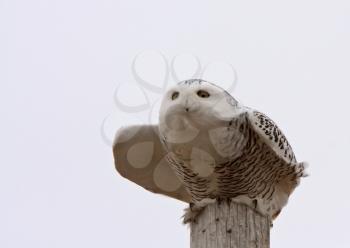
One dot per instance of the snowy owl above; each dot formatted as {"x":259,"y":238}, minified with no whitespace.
{"x":210,"y":147}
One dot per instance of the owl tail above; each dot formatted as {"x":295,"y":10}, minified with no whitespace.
{"x":302,"y":168}
{"x":292,"y":181}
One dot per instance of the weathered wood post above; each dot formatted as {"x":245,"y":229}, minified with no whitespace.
{"x":230,"y":225}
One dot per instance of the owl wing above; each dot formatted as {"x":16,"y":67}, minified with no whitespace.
{"x":140,"y":157}
{"x":270,"y":133}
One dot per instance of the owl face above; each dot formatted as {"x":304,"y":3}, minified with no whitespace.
{"x":197,"y":103}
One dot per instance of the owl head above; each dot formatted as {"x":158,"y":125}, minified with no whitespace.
{"x":197,"y":103}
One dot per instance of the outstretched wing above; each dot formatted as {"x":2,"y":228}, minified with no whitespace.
{"x":271,"y":135}
{"x":140,"y":157}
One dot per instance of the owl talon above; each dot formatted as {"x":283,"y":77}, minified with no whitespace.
{"x":255,"y":204}
{"x":192,"y":206}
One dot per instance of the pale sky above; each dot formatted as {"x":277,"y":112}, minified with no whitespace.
{"x":61,"y":61}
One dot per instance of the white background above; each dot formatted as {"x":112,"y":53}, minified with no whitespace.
{"x":60,"y":62}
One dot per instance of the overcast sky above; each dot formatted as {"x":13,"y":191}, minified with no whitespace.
{"x":61,"y":61}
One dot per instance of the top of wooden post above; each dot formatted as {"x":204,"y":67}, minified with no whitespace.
{"x":230,"y":225}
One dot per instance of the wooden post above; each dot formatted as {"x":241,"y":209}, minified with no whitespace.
{"x":230,"y":225}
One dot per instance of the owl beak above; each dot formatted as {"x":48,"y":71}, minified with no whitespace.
{"x":186,"y":107}
{"x":189,"y":106}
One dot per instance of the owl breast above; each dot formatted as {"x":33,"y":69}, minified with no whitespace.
{"x":231,"y":162}
{"x":198,"y":160}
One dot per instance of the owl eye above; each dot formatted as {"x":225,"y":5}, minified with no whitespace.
{"x":203,"y":94}
{"x":175,"y":95}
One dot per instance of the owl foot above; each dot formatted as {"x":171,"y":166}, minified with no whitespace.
{"x":195,"y":209}
{"x":191,"y":214}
